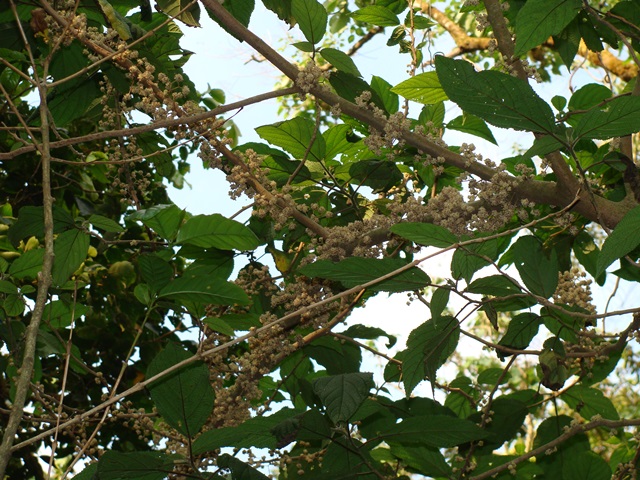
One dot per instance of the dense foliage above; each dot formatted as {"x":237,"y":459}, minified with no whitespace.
{"x":140,"y":341}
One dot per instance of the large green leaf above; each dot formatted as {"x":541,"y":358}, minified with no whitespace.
{"x":589,"y":402}
{"x":521,"y":330}
{"x":295,"y":137}
{"x":31,"y":223}
{"x":587,"y":465}
{"x":423,"y":88}
{"x":59,"y":314}
{"x":164,"y":219}
{"x":425,"y":460}
{"x":539,"y":19}
{"x":70,"y":250}
{"x":385,"y":91}
{"x":155,"y":271}
{"x":255,"y":432}
{"x":311,"y":17}
{"x":239,"y":469}
{"x":114,"y":465}
{"x":498,"y":98}
{"x":203,"y":289}
{"x":343,"y":394}
{"x":426,"y":234}
{"x":376,"y":15}
{"x":172,"y":8}
{"x":473,"y":125}
{"x":619,"y":117}
{"x":624,"y":238}
{"x":185,"y":397}
{"x":340,"y":61}
{"x":440,"y":431}
{"x":538,"y":270}
{"x":28,"y":264}
{"x":428,"y":347}
{"x":216,"y":231}
{"x":356,"y":271}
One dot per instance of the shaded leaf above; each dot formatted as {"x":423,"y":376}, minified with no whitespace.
{"x":216,"y":231}
{"x":428,"y":347}
{"x":589,"y":402}
{"x":354,"y":271}
{"x":521,"y":330}
{"x":184,"y":397}
{"x":203,"y":289}
{"x":426,"y":234}
{"x":28,"y":264}
{"x":343,"y":394}
{"x":164,"y":219}
{"x":114,"y":465}
{"x":539,"y":19}
{"x":538,"y":271}
{"x":621,"y":241}
{"x":619,"y":117}
{"x":498,"y":98}
{"x":440,"y":431}
{"x":70,"y":249}
{"x":254,"y":432}
{"x":104,"y":223}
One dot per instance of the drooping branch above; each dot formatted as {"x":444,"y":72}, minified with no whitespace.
{"x":549,"y":193}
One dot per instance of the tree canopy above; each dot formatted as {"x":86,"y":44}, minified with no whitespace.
{"x":141,"y":341}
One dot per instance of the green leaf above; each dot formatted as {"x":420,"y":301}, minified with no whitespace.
{"x":619,"y":117}
{"x":311,"y":17}
{"x":239,"y":469}
{"x":423,"y":88}
{"x":13,"y":305}
{"x":428,"y":347}
{"x":380,"y":175}
{"x":588,"y":96}
{"x":7,"y":287}
{"x":340,"y":61}
{"x":473,"y":125}
{"x":241,"y":10}
{"x":498,"y":98}
{"x":336,"y":142}
{"x":295,"y":137}
{"x":586,"y":465}
{"x":520,"y":332}
{"x":70,"y":250}
{"x":254,"y":432}
{"x":494,"y":285}
{"x":184,"y":398}
{"x":155,"y":271}
{"x":440,"y":431}
{"x":343,"y":394}
{"x":376,"y":15}
{"x":172,"y":8}
{"x":425,"y":460}
{"x":622,"y":240}
{"x":27,"y":265}
{"x":538,"y":271}
{"x":439,"y":301}
{"x":216,"y":231}
{"x":31,"y":223}
{"x":369,"y":333}
{"x":59,"y":314}
{"x":426,"y":234}
{"x":203,"y":289}
{"x":589,"y":402}
{"x":566,"y":452}
{"x":164,"y":219}
{"x":354,"y":271}
{"x":384,"y":90}
{"x":104,"y":223}
{"x":469,"y":259}
{"x":539,"y":19}
{"x":114,"y":465}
